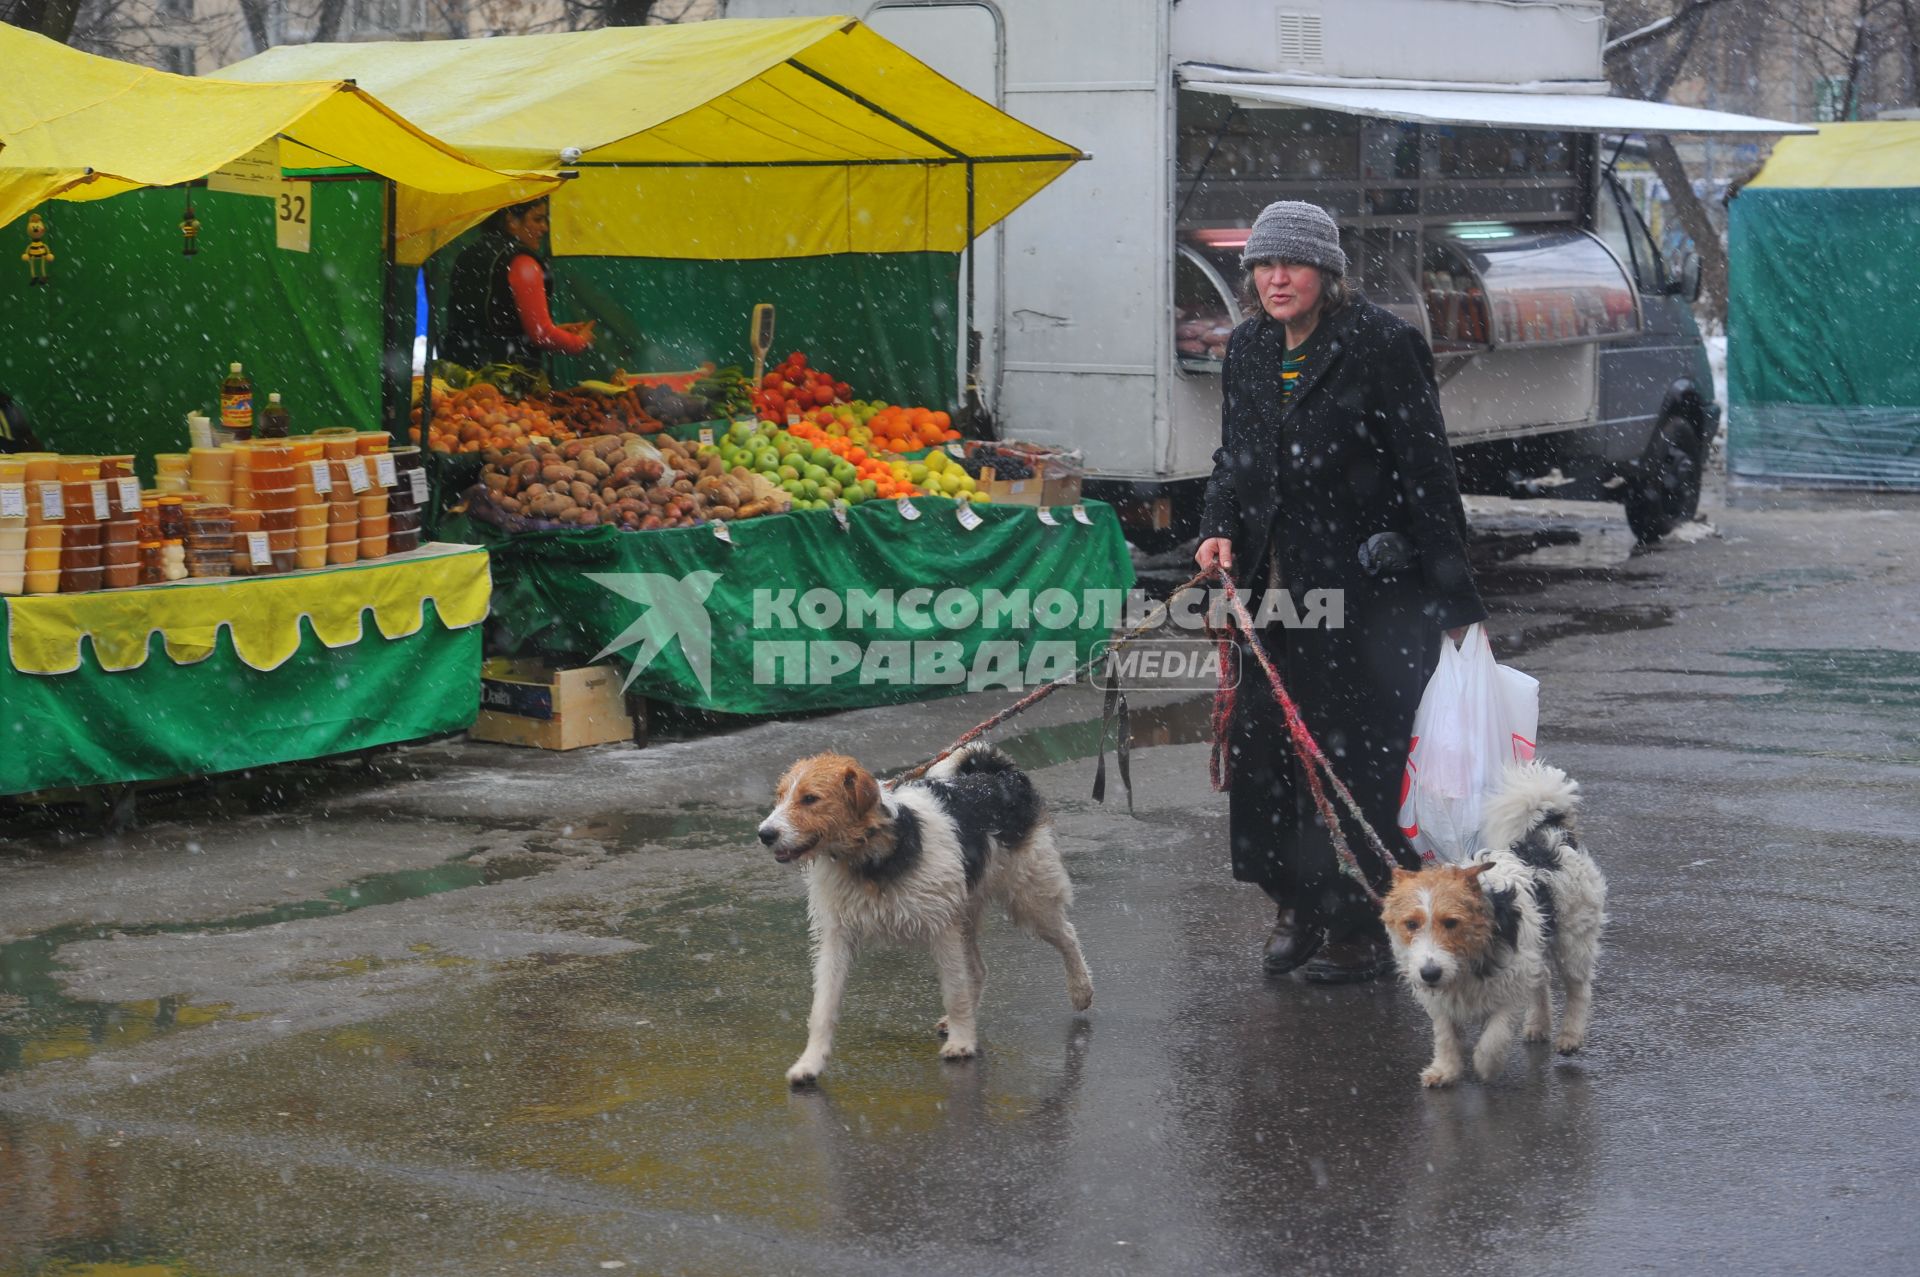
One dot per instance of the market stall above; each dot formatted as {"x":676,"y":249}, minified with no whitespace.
{"x":323,"y":530}
{"x":1828,"y":394}
{"x":807,"y":157}
{"x":189,"y":223}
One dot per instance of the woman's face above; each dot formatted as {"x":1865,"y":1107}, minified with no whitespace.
{"x":530,"y":227}
{"x":1287,"y":290}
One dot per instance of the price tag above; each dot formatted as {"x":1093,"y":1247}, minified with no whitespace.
{"x":383,"y":467}
{"x":706,"y":436}
{"x":418,"y":480}
{"x":357,"y":475}
{"x":840,"y":514}
{"x":102,"y":507}
{"x":130,"y":496}
{"x":13,"y":501}
{"x":908,"y":510}
{"x":720,"y":531}
{"x":1046,"y":517}
{"x":956,"y":450}
{"x":53,"y":507}
{"x":966,"y":516}
{"x":1080,"y":516}
{"x":541,"y":439}
{"x":259,"y":553}
{"x":793,"y":418}
{"x":322,"y":476}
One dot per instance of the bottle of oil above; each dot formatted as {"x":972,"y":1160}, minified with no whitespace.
{"x":236,"y":405}
{"x":275,"y":422}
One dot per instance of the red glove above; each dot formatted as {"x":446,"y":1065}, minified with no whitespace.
{"x":529,"y":285}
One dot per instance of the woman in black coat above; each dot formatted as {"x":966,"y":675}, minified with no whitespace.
{"x":1334,"y":474}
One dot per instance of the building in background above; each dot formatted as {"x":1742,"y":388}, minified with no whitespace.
{"x":193,"y":37}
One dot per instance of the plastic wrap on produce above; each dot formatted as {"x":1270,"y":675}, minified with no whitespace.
{"x":1820,"y":443}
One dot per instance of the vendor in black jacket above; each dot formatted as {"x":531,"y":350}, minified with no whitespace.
{"x":1331,"y":437}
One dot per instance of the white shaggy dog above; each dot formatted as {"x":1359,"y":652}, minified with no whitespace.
{"x":1474,"y":941}
{"x":920,"y":864}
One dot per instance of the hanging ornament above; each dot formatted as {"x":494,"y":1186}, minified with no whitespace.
{"x":38,"y":254}
{"x":189,"y":231}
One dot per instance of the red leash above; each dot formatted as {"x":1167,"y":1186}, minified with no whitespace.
{"x":1219,"y":763}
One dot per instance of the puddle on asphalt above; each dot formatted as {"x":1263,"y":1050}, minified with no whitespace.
{"x":40,"y":1023}
{"x":1876,"y":677}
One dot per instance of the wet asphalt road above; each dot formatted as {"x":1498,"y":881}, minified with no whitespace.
{"x":476,"y":1010}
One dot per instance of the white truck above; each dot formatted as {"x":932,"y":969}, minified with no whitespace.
{"x":1461,"y":144}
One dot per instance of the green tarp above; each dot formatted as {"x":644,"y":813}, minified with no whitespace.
{"x":885,"y":324}
{"x":131,"y":335}
{"x":776,"y":610}
{"x":165,"y":720}
{"x":1822,"y":378}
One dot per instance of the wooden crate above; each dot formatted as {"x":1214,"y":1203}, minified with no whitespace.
{"x":532,"y":704}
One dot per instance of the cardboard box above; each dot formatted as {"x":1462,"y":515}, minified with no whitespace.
{"x":532,"y":704}
{"x":1064,"y":490}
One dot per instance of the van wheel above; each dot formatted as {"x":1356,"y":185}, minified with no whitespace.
{"x":1664,"y":491}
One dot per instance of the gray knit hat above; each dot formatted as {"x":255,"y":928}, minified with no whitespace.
{"x":1298,"y":232}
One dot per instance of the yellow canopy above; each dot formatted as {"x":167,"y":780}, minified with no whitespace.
{"x":738,"y":138}
{"x":1867,"y":154}
{"x":79,"y":127}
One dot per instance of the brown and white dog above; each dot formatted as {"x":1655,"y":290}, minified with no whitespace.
{"x":1474,"y":942}
{"x":920,"y":864}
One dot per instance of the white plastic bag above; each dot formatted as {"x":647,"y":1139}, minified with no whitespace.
{"x":1475,"y":717}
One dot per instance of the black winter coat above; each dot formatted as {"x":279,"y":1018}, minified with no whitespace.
{"x":1360,"y":449}
{"x":1365,"y":452}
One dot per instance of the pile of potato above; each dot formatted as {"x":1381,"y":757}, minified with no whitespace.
{"x":638,"y":484}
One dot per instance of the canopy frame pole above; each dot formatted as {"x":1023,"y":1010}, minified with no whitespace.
{"x":876,"y":109}
{"x":396,"y":359}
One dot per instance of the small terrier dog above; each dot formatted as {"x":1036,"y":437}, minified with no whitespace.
{"x":920,"y":864}
{"x":1474,"y":941}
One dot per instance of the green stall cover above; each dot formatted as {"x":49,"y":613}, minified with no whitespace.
{"x":1822,"y":379}
{"x":131,"y":334}
{"x":164,"y":720}
{"x":766,"y":624}
{"x":886,"y":324}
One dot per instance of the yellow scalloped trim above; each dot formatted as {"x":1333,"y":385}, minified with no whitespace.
{"x":261,"y":614}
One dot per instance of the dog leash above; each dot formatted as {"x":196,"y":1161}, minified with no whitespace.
{"x":1072,"y":676}
{"x":1219,"y":762}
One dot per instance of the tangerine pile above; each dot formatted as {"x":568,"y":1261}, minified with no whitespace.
{"x":480,"y":417}
{"x":897,"y":429}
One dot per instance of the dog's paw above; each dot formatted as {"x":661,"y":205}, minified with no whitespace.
{"x":940,"y":1027}
{"x":1081,"y":995}
{"x":1568,"y":1043}
{"x":1489,"y":1067}
{"x":1439,"y":1075}
{"x":958,"y":1050}
{"x":805,"y":1072}
{"x":1538,"y":1033}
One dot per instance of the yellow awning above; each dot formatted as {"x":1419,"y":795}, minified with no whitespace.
{"x":737,"y":138}
{"x":1867,"y":154}
{"x":74,"y":126}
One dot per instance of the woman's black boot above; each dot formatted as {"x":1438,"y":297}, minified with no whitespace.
{"x":1355,"y":958}
{"x":1291,"y":942}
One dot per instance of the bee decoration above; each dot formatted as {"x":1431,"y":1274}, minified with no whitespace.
{"x":189,"y":231}
{"x":38,"y":255}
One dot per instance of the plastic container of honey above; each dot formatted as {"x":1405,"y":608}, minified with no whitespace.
{"x":310,"y":556}
{"x":339,"y":442}
{"x":347,"y":551}
{"x":368,"y":442}
{"x":40,"y":465}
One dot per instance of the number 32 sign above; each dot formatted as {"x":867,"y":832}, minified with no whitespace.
{"x":292,"y":217}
